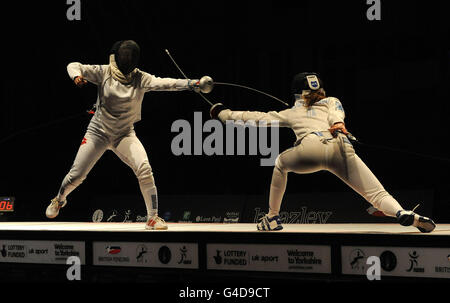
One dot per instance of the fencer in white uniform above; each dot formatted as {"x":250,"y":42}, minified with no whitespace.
{"x":121,"y":89}
{"x":322,"y":144}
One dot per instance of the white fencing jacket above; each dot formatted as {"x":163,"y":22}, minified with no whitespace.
{"x":303,"y":120}
{"x":119,"y":105}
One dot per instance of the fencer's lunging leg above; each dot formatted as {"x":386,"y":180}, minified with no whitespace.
{"x":359,"y":177}
{"x":353,"y":171}
{"x":91,"y":149}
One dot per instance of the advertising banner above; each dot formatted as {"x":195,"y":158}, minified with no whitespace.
{"x":45,"y":252}
{"x":265,"y":257}
{"x":398,"y":261}
{"x":305,"y":208}
{"x":140,"y":254}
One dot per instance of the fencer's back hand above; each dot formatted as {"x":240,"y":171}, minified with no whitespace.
{"x":215,"y":110}
{"x":338,"y":127}
{"x":80,"y":81}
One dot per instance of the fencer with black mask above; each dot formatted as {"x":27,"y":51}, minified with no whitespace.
{"x":121,"y":88}
{"x":321,"y":144}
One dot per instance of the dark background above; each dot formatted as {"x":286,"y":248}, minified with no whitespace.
{"x":392,"y":77}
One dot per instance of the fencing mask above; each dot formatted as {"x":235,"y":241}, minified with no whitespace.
{"x":306,"y":81}
{"x":126,"y":53}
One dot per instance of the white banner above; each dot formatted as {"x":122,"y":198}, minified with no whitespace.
{"x":48,"y":252}
{"x":268,"y":257}
{"x":398,"y":261}
{"x":139,"y":254}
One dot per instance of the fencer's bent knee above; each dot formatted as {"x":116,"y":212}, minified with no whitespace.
{"x":144,"y":173}
{"x":278,"y":164}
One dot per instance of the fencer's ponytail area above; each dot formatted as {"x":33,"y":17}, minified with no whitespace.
{"x":313,"y":96}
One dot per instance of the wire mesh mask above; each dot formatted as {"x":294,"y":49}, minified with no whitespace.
{"x":126,"y":54}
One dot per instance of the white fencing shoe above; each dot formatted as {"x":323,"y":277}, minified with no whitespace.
{"x":156,"y":223}
{"x":54,"y":207}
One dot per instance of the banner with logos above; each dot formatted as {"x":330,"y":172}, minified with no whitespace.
{"x":268,"y":257}
{"x":45,"y":252}
{"x":172,"y":208}
{"x":307,"y":208}
{"x":398,"y":261}
{"x":140,"y":254}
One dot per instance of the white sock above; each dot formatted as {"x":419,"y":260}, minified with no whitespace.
{"x":389,"y":206}
{"x":150,"y":195}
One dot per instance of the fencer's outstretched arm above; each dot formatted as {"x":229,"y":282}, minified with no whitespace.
{"x":152,"y":83}
{"x":268,"y":118}
{"x":292,"y":117}
{"x":92,"y":73}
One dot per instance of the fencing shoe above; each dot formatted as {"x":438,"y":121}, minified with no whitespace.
{"x":267,"y":223}
{"x":156,"y":223}
{"x":408,"y":217}
{"x":54,"y":207}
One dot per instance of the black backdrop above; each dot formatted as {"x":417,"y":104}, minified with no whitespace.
{"x":392,"y":77}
